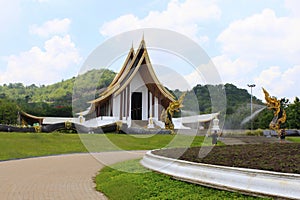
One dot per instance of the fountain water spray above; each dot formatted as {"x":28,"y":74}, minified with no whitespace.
{"x":247,"y":119}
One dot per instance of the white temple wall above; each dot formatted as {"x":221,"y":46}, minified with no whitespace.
{"x":150,"y":102}
{"x":156,"y":108}
{"x":136,"y":85}
{"x":145,"y":103}
{"x":116,"y":106}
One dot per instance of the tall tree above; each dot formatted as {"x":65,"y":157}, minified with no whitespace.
{"x":8,"y":111}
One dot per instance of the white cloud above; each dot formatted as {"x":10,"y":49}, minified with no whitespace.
{"x":293,"y":6}
{"x":268,"y":41}
{"x":182,"y":17}
{"x":58,"y":57}
{"x":279,"y":82}
{"x":230,"y":71}
{"x":194,"y":78}
{"x":263,"y":36}
{"x":51,"y":27}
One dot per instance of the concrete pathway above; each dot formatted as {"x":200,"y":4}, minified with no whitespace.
{"x":62,"y":177}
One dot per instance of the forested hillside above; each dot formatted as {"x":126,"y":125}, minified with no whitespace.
{"x":237,"y":105}
{"x":71,"y":96}
{"x":55,"y":99}
{"x":60,"y":92}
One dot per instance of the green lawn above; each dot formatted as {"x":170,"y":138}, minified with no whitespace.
{"x":294,"y":139}
{"x":97,"y":143}
{"x":140,"y":183}
{"x":23,"y":145}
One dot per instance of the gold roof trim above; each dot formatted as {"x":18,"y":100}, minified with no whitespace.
{"x":31,"y":116}
{"x":152,"y":73}
{"x":131,"y":76}
{"x":114,"y":87}
{"x":162,"y":89}
{"x":123,"y":73}
{"x":126,"y":63}
{"x":131,"y":52}
{"x":107,"y":94}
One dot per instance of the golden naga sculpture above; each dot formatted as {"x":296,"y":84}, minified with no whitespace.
{"x":168,"y":114}
{"x":279,"y":114}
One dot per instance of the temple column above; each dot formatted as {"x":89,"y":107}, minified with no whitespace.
{"x":152,"y":105}
{"x":156,"y":107}
{"x":124,"y":103}
{"x":121,"y":106}
{"x":148,"y":104}
{"x":128,"y":100}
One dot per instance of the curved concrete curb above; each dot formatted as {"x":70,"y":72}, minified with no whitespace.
{"x":248,"y":181}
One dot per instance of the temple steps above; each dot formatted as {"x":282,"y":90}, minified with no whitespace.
{"x":139,"y":123}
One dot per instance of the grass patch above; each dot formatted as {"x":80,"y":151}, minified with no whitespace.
{"x":107,"y":142}
{"x":140,"y":183}
{"x":23,"y":145}
{"x":293,"y":139}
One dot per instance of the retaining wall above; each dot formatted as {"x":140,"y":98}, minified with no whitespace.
{"x":248,"y":181}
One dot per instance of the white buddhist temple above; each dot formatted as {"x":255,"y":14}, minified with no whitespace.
{"x":135,"y":93}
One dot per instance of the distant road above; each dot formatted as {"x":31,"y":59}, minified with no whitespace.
{"x":67,"y":177}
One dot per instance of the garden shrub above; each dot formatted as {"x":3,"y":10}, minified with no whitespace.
{"x":257,"y":132}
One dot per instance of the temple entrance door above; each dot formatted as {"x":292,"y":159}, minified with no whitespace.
{"x":136,"y":106}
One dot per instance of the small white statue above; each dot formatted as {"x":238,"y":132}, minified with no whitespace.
{"x":215,"y":126}
{"x":81,"y":118}
{"x":150,"y":122}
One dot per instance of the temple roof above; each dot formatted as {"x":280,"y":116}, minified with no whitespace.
{"x":135,"y":62}
{"x":30,"y":116}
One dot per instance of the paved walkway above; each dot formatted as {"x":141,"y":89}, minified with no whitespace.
{"x":62,"y":177}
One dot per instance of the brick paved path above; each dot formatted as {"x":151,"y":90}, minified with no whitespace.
{"x":68,"y":177}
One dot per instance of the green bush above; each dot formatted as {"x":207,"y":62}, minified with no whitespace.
{"x":257,"y":132}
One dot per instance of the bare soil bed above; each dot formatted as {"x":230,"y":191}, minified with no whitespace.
{"x":273,"y":157}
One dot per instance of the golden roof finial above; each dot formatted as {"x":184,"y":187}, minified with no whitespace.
{"x":143,"y":44}
{"x":132,"y":44}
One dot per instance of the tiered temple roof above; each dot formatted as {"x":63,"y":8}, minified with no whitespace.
{"x":137,"y":62}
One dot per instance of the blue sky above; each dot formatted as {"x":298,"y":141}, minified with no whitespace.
{"x":249,"y":41}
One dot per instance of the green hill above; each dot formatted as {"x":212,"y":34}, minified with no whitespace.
{"x":56,"y":99}
{"x":58,"y":93}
